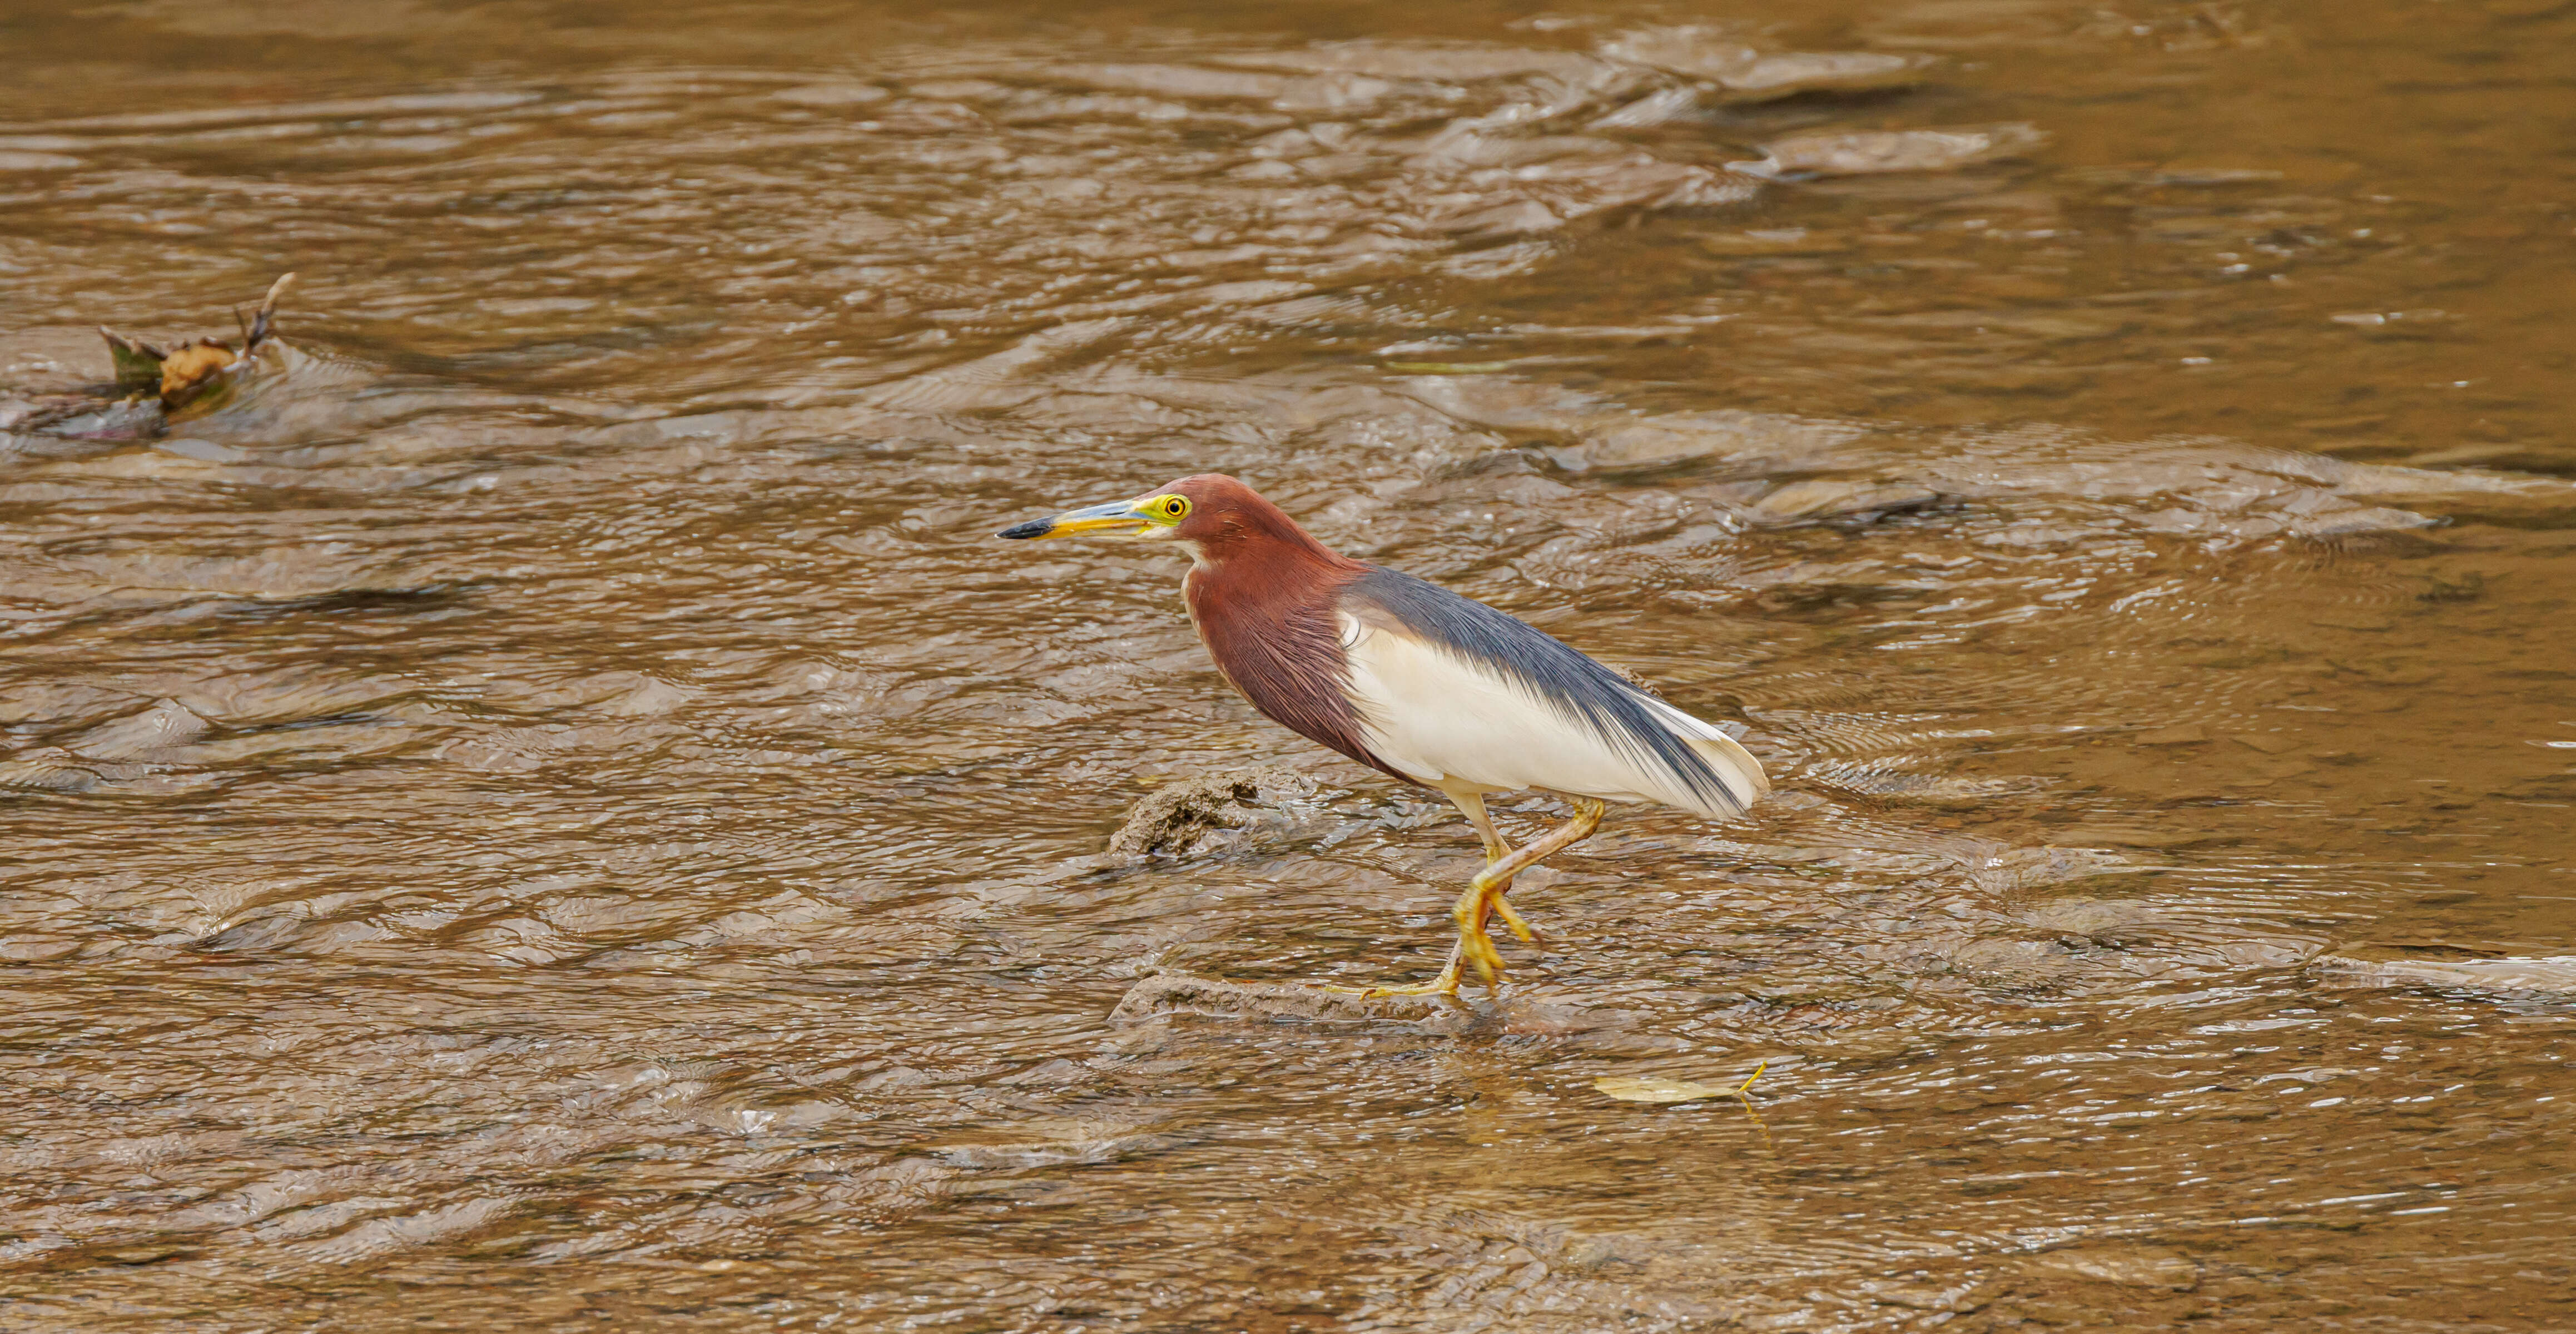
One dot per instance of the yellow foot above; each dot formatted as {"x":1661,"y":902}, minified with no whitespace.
{"x":1475,"y":944}
{"x":1478,"y":948}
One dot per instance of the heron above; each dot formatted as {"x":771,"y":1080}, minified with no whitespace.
{"x":1426,"y":686}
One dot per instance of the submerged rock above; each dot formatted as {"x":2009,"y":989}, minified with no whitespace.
{"x":1198,"y":816}
{"x":1872,"y":152}
{"x":1749,"y":74}
{"x":141,"y":736}
{"x":1167,"y":995}
{"x":50,"y":769}
{"x":2129,"y":1266}
{"x":84,"y":417}
{"x":1055,"y":1142}
{"x":2552,"y":976}
{"x":1832,"y":498}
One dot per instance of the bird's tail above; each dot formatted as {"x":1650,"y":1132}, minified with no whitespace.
{"x":1742,"y":773}
{"x":1734,"y":766}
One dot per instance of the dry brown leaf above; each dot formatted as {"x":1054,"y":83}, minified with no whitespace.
{"x":182,"y":371}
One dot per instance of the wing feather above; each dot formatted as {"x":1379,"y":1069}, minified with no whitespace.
{"x":1452,"y":692}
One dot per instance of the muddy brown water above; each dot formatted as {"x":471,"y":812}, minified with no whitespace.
{"x":549,"y":812}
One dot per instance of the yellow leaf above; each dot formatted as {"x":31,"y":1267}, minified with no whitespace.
{"x":1630,"y":1089}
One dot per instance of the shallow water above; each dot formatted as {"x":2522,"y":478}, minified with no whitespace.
{"x":549,"y":812}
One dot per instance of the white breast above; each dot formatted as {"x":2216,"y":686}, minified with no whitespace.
{"x":1456,"y":724}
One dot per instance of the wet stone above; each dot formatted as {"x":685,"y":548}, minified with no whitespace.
{"x":1874,"y":152}
{"x":142,"y":735}
{"x":1165,"y":996}
{"x":2016,"y":963}
{"x":2095,"y":922}
{"x":2014,"y":870}
{"x":51,"y":769}
{"x":1053,"y":1142}
{"x":1196,"y":817}
{"x":1752,"y":75}
{"x":2128,"y":1266}
{"x":1822,"y":498}
{"x":1818,"y":71}
{"x":2544,"y":976}
{"x":1958,"y":1298}
{"x":82,"y":417}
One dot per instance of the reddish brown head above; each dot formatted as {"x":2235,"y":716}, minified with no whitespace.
{"x":1219,"y":518}
{"x":1228,"y":521}
{"x":1263,"y":592}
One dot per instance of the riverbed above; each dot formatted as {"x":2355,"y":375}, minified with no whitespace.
{"x":549,"y":810}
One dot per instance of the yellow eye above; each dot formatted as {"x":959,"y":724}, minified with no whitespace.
{"x":1172,"y":509}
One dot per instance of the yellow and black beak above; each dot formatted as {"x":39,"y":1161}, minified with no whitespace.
{"x":1118,"y":518}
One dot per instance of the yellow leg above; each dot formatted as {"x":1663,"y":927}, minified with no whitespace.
{"x":1485,"y":893}
{"x":1495,"y":850}
{"x":1471,"y":805}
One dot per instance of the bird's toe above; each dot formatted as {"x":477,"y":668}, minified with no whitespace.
{"x":1513,"y":920}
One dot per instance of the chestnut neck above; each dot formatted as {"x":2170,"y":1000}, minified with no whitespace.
{"x":1255,"y":541}
{"x":1264,"y":595}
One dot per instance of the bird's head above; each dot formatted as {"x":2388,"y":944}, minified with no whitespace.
{"x":1197,"y":510}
